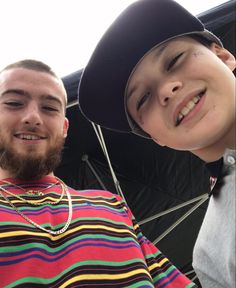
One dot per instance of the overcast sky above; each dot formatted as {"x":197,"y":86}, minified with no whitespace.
{"x":62,"y":33}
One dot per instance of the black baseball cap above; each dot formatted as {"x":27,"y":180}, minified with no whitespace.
{"x":140,"y":27}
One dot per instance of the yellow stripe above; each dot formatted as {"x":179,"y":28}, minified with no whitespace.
{"x":15,"y":201}
{"x":104,"y":277}
{"x":136,"y":226}
{"x":56,"y":237}
{"x":159,"y":264}
{"x":18,"y":201}
{"x":90,"y":200}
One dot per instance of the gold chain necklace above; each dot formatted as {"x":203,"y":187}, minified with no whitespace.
{"x":52,"y":232}
{"x":36,"y":202}
{"x":32,"y":191}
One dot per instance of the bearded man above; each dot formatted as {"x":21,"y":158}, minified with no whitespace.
{"x":50,"y":234}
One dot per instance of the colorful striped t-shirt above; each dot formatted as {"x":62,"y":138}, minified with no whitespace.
{"x":103,"y":246}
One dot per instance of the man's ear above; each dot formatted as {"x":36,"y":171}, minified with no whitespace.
{"x":158,"y":142}
{"x":227,"y":57}
{"x":66,"y":127}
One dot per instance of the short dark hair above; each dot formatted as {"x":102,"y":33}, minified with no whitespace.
{"x":35,"y":65}
{"x":32,"y":65}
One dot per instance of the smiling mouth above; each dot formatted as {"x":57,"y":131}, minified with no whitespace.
{"x":29,"y":137}
{"x":189,"y":107}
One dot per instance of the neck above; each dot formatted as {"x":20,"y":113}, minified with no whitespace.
{"x":6,"y":174}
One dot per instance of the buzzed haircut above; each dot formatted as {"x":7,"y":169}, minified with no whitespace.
{"x":35,"y":65}
{"x":32,"y":65}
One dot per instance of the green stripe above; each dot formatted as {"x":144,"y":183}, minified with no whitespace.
{"x":92,"y":219}
{"x":45,"y":247}
{"x":36,"y":208}
{"x":163,"y":274}
{"x":154,"y":255}
{"x":140,"y":284}
{"x":191,"y":285}
{"x":78,"y":264}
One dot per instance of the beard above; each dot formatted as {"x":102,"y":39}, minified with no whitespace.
{"x":31,"y":166}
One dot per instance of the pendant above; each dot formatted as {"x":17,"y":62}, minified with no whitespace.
{"x":34,"y":192}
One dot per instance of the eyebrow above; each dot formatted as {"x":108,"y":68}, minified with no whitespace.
{"x":53,"y":99}
{"x":15,"y":91}
{"x":158,"y":53}
{"x":26,"y":94}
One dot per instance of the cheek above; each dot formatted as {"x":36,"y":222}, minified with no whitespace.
{"x":153,"y":124}
{"x":62,"y":131}
{"x":8,"y":124}
{"x":56,"y":128}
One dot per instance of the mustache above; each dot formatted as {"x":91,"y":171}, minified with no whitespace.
{"x":32,"y":129}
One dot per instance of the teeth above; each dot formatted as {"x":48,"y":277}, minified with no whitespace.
{"x":180,"y":118}
{"x":196,"y":99}
{"x":185,"y":111}
{"x":29,"y":137}
{"x":189,"y":106}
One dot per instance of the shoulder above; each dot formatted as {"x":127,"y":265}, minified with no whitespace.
{"x":91,"y":193}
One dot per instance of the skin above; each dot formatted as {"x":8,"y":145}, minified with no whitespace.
{"x":164,"y":82}
{"x":32,"y":104}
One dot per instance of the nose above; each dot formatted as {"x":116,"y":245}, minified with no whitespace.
{"x":168,"y":90}
{"x":32,"y":115}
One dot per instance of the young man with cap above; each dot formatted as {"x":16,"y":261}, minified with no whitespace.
{"x":158,"y":73}
{"x":50,"y":234}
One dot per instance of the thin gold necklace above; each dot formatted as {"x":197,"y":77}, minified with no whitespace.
{"x":52,"y":232}
{"x":31,"y":191}
{"x":35,"y":202}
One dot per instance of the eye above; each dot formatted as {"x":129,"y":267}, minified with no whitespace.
{"x":14,"y":104}
{"x":50,"y":108}
{"x":142,"y":100}
{"x":173,"y":61}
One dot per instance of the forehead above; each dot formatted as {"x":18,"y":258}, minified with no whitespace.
{"x":169,"y":47}
{"x":156,"y":55}
{"x":34,"y":82}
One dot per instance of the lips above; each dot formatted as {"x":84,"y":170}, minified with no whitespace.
{"x":188,"y":107}
{"x":31,"y":137}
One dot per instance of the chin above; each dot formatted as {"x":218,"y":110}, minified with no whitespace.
{"x":31,"y":152}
